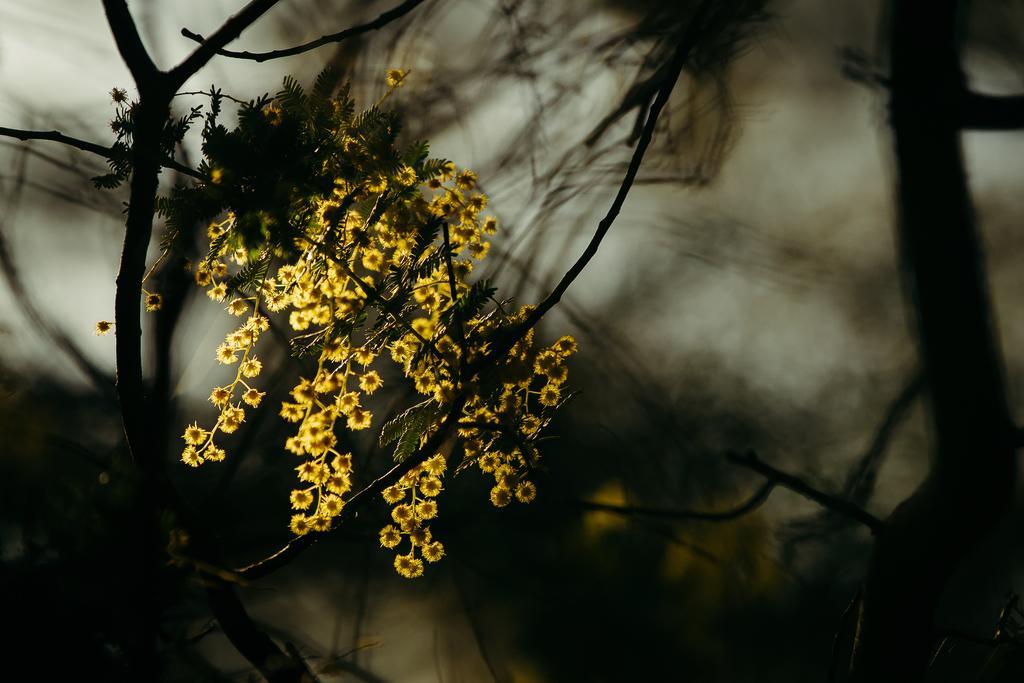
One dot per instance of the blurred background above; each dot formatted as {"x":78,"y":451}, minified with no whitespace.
{"x":748,"y":297}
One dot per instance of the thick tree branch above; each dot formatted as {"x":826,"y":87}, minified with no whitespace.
{"x":231,"y":29}
{"x":755,"y":501}
{"x":381,"y":21}
{"x":992,"y":112}
{"x":256,"y":646}
{"x":57,"y":136}
{"x":129,"y":44}
{"x":85,"y":145}
{"x":969,"y":486}
{"x":141,"y":425}
{"x":797,"y":485}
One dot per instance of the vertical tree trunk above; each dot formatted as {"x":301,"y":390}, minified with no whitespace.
{"x":970,"y":482}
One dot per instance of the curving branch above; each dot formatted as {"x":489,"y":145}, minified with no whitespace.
{"x":86,"y":146}
{"x":129,"y":43}
{"x":231,"y":29}
{"x":799,"y":486}
{"x":755,"y":501}
{"x":381,"y":21}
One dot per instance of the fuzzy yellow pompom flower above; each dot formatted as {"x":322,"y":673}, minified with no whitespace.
{"x":218,"y":292}
{"x":408,"y":566}
{"x":190,"y":457}
{"x":253,"y":397}
{"x":500,"y":496}
{"x":154,"y":302}
{"x":390,"y":537}
{"x":250,"y":367}
{"x":549,"y":395}
{"x":300,"y":525}
{"x":370,"y":382}
{"x":301,"y":499}
{"x":194,"y":434}
{"x":238,"y":307}
{"x":103,"y":327}
{"x":433,"y":552}
{"x":394,"y":77}
{"x":526,"y":491}
{"x":226,"y":355}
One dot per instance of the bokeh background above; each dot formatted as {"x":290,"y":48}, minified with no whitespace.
{"x":748,"y":297}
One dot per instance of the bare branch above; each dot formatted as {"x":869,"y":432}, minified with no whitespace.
{"x":992,"y":112}
{"x":687,"y":41}
{"x":381,"y":21}
{"x":255,"y":645}
{"x":231,"y":29}
{"x":755,"y":501}
{"x":129,"y":44}
{"x":797,"y":485}
{"x":86,"y":146}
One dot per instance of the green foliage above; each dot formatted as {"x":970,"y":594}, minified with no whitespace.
{"x":408,"y":428}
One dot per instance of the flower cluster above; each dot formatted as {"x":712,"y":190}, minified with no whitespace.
{"x":237,"y":347}
{"x":414,"y":501}
{"x":367,"y":251}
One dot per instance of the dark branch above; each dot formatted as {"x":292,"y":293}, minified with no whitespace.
{"x":992,"y":112}
{"x":381,"y":21}
{"x":797,"y":485}
{"x":231,"y":29}
{"x":749,"y":505}
{"x":129,"y":44}
{"x":86,"y":146}
{"x":255,"y":645}
{"x":672,"y":73}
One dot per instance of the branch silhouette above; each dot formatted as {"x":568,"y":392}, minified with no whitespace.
{"x":798,"y":485}
{"x":380,"y":22}
{"x":755,"y":501}
{"x":86,"y":146}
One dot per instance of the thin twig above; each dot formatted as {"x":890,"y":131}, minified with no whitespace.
{"x":797,"y":485}
{"x":755,"y":501}
{"x":675,"y":67}
{"x":381,"y":21}
{"x":230,"y":30}
{"x":86,"y":146}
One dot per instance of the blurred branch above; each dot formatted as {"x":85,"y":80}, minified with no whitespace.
{"x":672,"y":73}
{"x":102,"y":381}
{"x":992,"y":112}
{"x":797,"y":485}
{"x":86,"y":146}
{"x":687,"y":41}
{"x":755,"y":501}
{"x":381,"y":21}
{"x":862,"y":477}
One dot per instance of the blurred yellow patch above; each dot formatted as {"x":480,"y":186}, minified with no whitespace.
{"x":596,"y":523}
